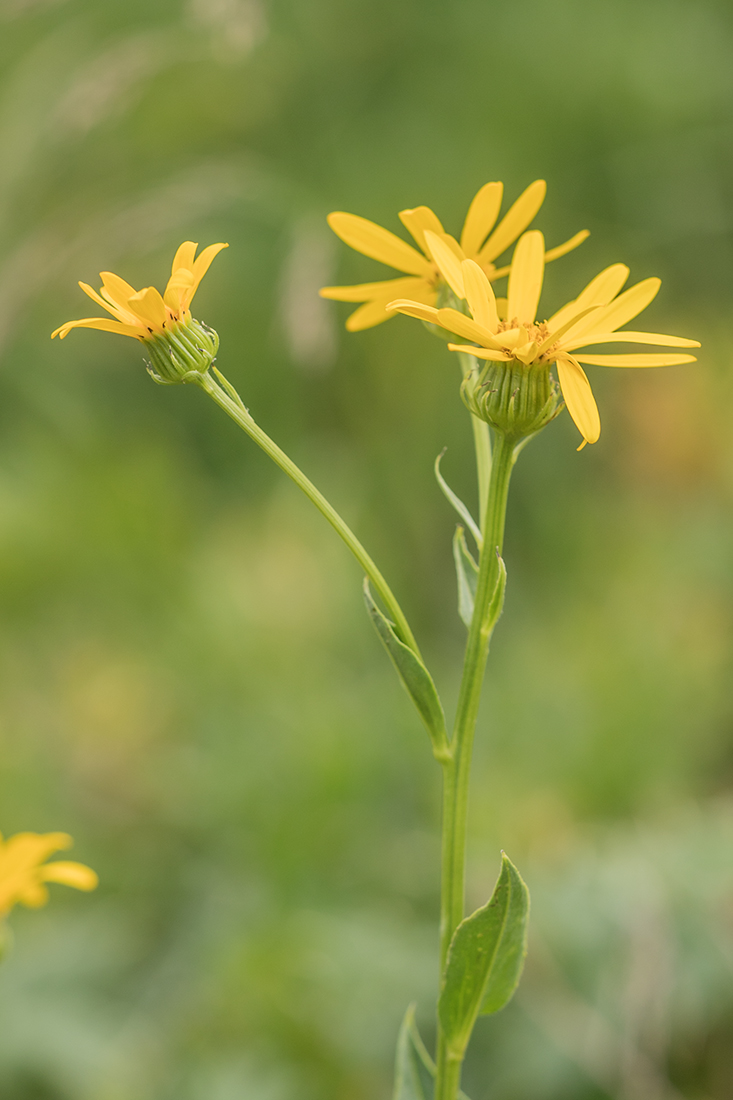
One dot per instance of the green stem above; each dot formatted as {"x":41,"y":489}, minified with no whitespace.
{"x":482,"y":444}
{"x":228,"y":399}
{"x":457,"y":770}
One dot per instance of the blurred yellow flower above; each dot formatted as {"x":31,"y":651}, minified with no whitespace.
{"x":592,"y":318}
{"x":425,"y":278}
{"x":24,"y":872}
{"x":144,"y":313}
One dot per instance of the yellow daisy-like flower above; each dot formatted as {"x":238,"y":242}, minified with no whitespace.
{"x":147,"y":312}
{"x":480,"y":242}
{"x":24,"y":872}
{"x":592,"y":318}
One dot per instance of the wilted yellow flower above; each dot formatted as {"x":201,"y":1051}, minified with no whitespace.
{"x":592,"y":318}
{"x":24,"y":872}
{"x":143,"y":313}
{"x":425,"y":278}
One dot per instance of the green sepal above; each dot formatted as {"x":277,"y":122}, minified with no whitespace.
{"x":415,"y":677}
{"x":466,"y":575}
{"x":485,"y":959}
{"x":411,"y":1055}
{"x":458,"y":504}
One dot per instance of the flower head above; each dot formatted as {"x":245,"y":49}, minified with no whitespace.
{"x":517,"y":338}
{"x":177,"y":343}
{"x":481,"y":240}
{"x":24,"y":872}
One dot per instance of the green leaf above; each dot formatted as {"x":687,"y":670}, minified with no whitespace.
{"x":467,"y":575}
{"x":485,"y":959}
{"x":415,"y":677}
{"x":458,"y":504}
{"x":410,"y":1035}
{"x":408,"y":1083}
{"x":496,"y":606}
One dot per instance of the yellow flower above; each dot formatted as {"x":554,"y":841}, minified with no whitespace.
{"x":425,"y":278}
{"x":24,"y":872}
{"x":145,"y":313}
{"x":592,"y":318}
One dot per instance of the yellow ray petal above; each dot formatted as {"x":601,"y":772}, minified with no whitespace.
{"x":419,"y":219}
{"x":200,"y":266}
{"x":448,"y":263}
{"x":620,"y":310}
{"x":579,"y":398}
{"x":515,"y":221}
{"x":102,"y":323}
{"x":481,"y":353}
{"x":367,"y":316}
{"x":453,"y":321}
{"x":33,"y":894}
{"x":557,"y":333}
{"x":481,"y":217}
{"x":563,"y":249}
{"x":525,"y":277}
{"x":501,"y":308}
{"x":149,"y":306}
{"x":114,"y":310}
{"x":480,"y":295}
{"x":598,"y":292}
{"x":632,"y":338}
{"x":70,"y":873}
{"x":377,"y":243}
{"x":651,"y":360}
{"x":414,"y":309}
{"x":116,"y":289}
{"x":184,"y":256}
{"x":410,"y":287}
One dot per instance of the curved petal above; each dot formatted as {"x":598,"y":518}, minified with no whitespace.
{"x":149,"y":306}
{"x":453,"y":321}
{"x":414,"y":309}
{"x":115,"y":289}
{"x":200,"y":266}
{"x":370,"y":314}
{"x":448,"y":263}
{"x":632,"y":338}
{"x":568,"y":246}
{"x":620,"y":310}
{"x":184,"y":256}
{"x":102,"y":323}
{"x":599,"y":292}
{"x":481,"y":217}
{"x":419,"y":219}
{"x":525,"y":277}
{"x":480,"y":295}
{"x":651,"y":360}
{"x":410,"y":287}
{"x":579,"y":398}
{"x":377,"y":243}
{"x":114,"y":310}
{"x":481,"y":353}
{"x":70,"y":873}
{"x":33,"y":894}
{"x":515,"y":221}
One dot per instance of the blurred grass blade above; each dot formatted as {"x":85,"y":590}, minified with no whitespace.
{"x":485,"y":959}
{"x":458,"y":504}
{"x":466,"y":574}
{"x":414,"y":675}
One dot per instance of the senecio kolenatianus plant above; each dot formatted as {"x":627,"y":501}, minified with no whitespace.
{"x":507,"y":357}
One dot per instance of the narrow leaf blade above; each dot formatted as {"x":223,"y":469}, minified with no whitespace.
{"x":485,"y":959}
{"x":466,"y":575}
{"x":415,"y":677}
{"x":408,"y":1082}
{"x":458,"y":504}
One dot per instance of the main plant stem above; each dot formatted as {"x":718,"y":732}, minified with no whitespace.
{"x":227,"y":398}
{"x":457,"y":770}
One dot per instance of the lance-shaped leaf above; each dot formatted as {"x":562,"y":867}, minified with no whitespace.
{"x":485,"y":959}
{"x":496,"y":604}
{"x":415,"y":677}
{"x":466,"y":575}
{"x":458,"y":504}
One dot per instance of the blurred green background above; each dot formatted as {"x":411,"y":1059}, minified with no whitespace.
{"x":190,"y":685}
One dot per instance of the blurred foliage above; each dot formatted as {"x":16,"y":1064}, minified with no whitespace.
{"x":189,"y":682}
